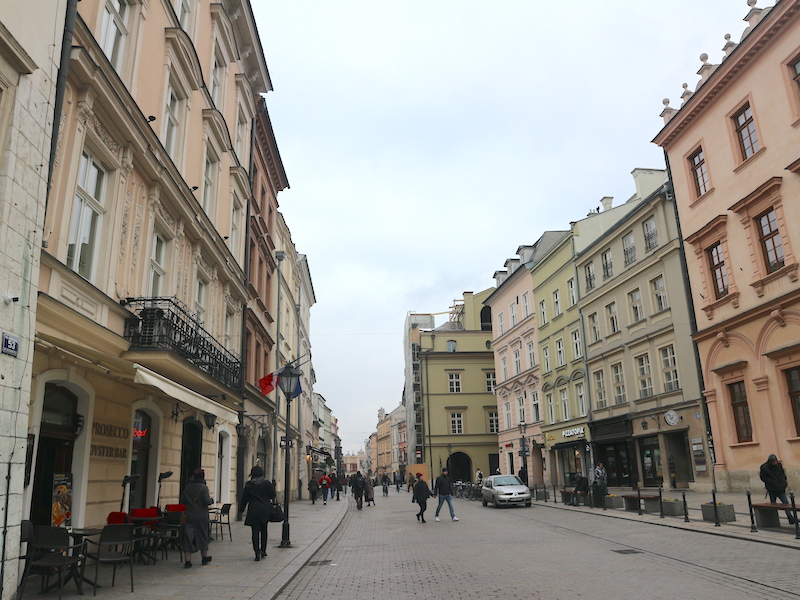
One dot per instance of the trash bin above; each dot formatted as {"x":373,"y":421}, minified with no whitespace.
{"x":597,"y":495}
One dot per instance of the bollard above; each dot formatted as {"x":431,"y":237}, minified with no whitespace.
{"x":660,"y":500}
{"x":753,"y":527}
{"x":554,"y":494}
{"x":794,"y":512}
{"x":639,"y":495}
{"x":603,"y":496}
{"x":685,"y":509}
{"x":716,"y":510}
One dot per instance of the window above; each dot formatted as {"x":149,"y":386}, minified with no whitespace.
{"x":242,"y":137}
{"x":697,"y":163}
{"x":796,"y":72}
{"x":600,"y":388}
{"x":183,"y":10}
{"x":454,"y":380}
{"x":228,"y":335}
{"x":560,"y":358}
{"x":611,"y":313}
{"x":557,"y":303}
{"x":217,"y":79}
{"x":172,"y":121}
{"x":209,"y":180}
{"x":719,"y":272}
{"x":520,"y":409}
{"x":113,"y":30}
{"x":504,"y":367}
{"x":746,"y":132}
{"x":512,"y":310}
{"x":589,"y":273}
{"x":650,"y":234}
{"x":526,"y":305}
{"x":537,"y":416}
{"x":84,"y":230}
{"x":629,"y":248}
{"x":507,"y":412}
{"x":669,"y":369}
{"x":551,"y":413}
{"x":594,"y":327}
{"x":494,"y":422}
{"x":635,"y":299}
{"x":741,"y":411}
{"x":501,"y":323}
{"x":564,"y":405}
{"x":581,"y":399}
{"x":517,"y":362}
{"x":608,"y":264}
{"x":451,"y":345}
{"x":659,"y":294}
{"x":201,"y":290}
{"x":793,"y":386}
{"x":491,"y":381}
{"x":577,"y":347}
{"x":543,"y":313}
{"x":236,"y":215}
{"x":572,"y":292}
{"x":158,"y":251}
{"x":456,"y":423}
{"x":531,"y":355}
{"x":546,"y":359}
{"x":645,"y":379}
{"x":619,"y":383}
{"x":770,"y":239}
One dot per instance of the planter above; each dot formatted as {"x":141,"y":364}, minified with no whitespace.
{"x":725,"y":512}
{"x":614,"y":502}
{"x":673,"y":508}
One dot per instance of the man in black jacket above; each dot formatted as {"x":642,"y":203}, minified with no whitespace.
{"x":581,"y":489}
{"x":444,"y":489}
{"x":774,"y":478}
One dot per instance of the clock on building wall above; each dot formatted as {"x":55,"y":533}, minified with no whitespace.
{"x":671,"y":417}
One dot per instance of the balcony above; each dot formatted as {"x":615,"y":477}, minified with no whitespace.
{"x":166,"y":324}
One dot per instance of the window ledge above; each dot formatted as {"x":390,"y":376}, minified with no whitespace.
{"x":699,"y":199}
{"x":638,"y":323}
{"x":750,"y":159}
{"x":732,"y":297}
{"x":558,"y":316}
{"x":789,"y":271}
{"x":743,"y":444}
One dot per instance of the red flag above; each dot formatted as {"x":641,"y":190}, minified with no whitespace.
{"x":268,"y":383}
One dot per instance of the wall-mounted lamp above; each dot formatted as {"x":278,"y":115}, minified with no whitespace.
{"x":210,"y":419}
{"x":263,"y":428}
{"x":645,"y":423}
{"x":195,"y":188}
{"x":79,"y":422}
{"x":150,"y":119}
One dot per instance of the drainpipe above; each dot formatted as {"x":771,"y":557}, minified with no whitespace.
{"x":279,"y":256}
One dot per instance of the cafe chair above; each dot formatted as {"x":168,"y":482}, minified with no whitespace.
{"x":175,"y":507}
{"x":115,"y":547}
{"x":220,"y":519}
{"x":117,"y":518}
{"x":53,"y":552}
{"x":170,"y":534}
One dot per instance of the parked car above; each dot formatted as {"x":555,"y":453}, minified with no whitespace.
{"x":505,"y":490}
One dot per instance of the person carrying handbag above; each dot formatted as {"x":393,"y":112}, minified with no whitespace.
{"x":197,"y":499}
{"x":257,"y":498}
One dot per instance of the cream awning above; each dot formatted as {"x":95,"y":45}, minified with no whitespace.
{"x":145,"y":376}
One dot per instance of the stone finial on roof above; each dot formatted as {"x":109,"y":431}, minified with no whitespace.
{"x":729,"y":45}
{"x":753,"y":17}
{"x":705,"y":71}
{"x":687,"y":93}
{"x":668,"y":111}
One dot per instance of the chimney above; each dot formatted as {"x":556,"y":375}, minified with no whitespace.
{"x":606,"y":202}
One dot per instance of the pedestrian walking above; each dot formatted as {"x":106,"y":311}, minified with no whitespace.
{"x":581,"y":489}
{"x":369,"y":491}
{"x":343,"y":483}
{"x":313,"y":489}
{"x":334,"y":485}
{"x":398,"y":481}
{"x":479,"y":476}
{"x":601,"y":479}
{"x":325,"y":486}
{"x":385,"y":484}
{"x":421,"y":494}
{"x":197,"y":499}
{"x":410,"y":483}
{"x":256,"y":498}
{"x":357,"y":484}
{"x":443,"y":488}
{"x":774,"y":478}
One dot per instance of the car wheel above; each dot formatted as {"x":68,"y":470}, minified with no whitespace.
{"x":495,"y":503}
{"x":528,"y":504}
{"x":484,"y":501}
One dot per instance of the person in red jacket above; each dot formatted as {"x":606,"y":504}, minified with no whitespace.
{"x":325,"y":486}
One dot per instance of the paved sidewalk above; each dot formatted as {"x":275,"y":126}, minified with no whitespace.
{"x":233,"y":572}
{"x":784,"y":536}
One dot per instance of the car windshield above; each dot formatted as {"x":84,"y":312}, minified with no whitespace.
{"x":507,"y":480}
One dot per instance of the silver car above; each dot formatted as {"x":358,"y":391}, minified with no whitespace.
{"x":505,"y":490}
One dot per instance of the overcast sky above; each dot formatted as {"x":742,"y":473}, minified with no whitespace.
{"x":424,"y":141}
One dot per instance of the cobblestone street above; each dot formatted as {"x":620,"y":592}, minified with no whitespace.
{"x":538,"y":552}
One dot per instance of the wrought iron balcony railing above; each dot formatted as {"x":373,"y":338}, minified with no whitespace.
{"x":167,"y":324}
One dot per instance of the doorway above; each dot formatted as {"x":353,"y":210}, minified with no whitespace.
{"x":191,"y":450}
{"x":459,"y":466}
{"x":140,"y":460}
{"x":616,"y":459}
{"x":652,"y":473}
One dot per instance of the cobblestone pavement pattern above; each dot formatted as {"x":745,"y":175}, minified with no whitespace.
{"x":538,"y":552}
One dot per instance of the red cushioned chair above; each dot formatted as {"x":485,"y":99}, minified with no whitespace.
{"x":117,"y":518}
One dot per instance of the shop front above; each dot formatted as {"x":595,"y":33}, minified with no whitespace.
{"x":614,"y":448}
{"x":570,"y":453}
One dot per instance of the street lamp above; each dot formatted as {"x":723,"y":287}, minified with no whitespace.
{"x":288,"y":381}
{"x":523,"y":448}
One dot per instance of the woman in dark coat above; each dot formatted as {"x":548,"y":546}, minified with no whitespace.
{"x":197,"y":499}
{"x":258,"y":492}
{"x":421,"y":494}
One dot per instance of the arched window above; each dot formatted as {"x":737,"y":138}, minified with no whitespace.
{"x":140,"y":459}
{"x":486,"y":318}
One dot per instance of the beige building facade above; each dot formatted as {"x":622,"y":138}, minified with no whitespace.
{"x":732,"y":149}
